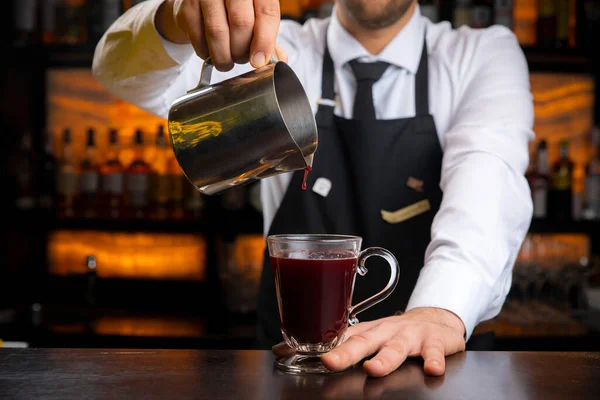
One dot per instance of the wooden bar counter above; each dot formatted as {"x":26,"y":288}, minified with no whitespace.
{"x":203,"y":374}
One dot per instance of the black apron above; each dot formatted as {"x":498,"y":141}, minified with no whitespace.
{"x":373,"y":165}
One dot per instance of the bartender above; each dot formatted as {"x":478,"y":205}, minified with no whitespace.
{"x":423,"y":145}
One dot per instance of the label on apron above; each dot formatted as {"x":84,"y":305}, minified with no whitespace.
{"x":415,"y":184}
{"x":322,"y":186}
{"x":395,"y":217}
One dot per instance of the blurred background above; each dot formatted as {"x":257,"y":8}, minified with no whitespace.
{"x":108,"y":245}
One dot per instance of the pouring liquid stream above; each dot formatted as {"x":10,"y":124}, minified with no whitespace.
{"x":306,"y":171}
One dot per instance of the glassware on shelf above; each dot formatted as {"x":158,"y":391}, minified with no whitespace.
{"x":560,"y":198}
{"x":47,"y":176}
{"x":25,"y":199}
{"x":112,"y":174}
{"x":137,"y":180}
{"x":89,"y":178}
{"x":548,"y":280}
{"x":68,"y":177}
{"x":161,"y":184}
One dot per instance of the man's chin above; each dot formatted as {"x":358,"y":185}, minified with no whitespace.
{"x":376,"y":14}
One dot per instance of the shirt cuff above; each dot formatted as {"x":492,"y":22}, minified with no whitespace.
{"x":453,"y":287}
{"x":178,"y":53}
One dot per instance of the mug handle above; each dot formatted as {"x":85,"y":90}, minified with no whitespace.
{"x":362,"y":271}
{"x":207,"y":70}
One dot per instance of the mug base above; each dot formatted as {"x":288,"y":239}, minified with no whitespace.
{"x":303,"y":364}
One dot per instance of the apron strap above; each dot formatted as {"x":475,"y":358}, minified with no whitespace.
{"x":324,"y":117}
{"x":422,"y":84}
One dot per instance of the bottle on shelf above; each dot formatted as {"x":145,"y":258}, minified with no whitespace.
{"x":291,"y":9}
{"x":525,"y":21}
{"x":481,"y":15}
{"x":539,"y":181}
{"x":592,"y":181}
{"x":160,"y":186}
{"x":463,"y":13}
{"x":232,"y":214}
{"x":194,"y":202}
{"x":70,"y":24}
{"x":89,"y":178}
{"x":68,"y":177}
{"x":47,"y":181}
{"x":563,"y":16}
{"x":588,"y":32}
{"x":137,"y":181}
{"x":178,"y":186}
{"x":25,"y":165}
{"x":310,"y":9}
{"x":239,"y":212}
{"x":254,"y":197}
{"x":25,"y":18}
{"x":127,"y":4}
{"x":48,"y":17}
{"x":578,"y":192}
{"x":547,"y":23}
{"x":101,"y":14}
{"x":325,"y":9}
{"x":503,"y":13}
{"x":430,"y":9}
{"x":113,"y":183}
{"x":560,"y":199}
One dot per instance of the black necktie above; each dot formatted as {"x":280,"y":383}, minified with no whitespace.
{"x":366,"y":75}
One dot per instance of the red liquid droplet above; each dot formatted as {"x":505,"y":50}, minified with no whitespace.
{"x":306,"y":171}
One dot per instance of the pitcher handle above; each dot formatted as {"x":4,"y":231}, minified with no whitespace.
{"x":207,"y":70}
{"x":387,"y":290}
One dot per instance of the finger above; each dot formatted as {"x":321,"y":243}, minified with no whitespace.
{"x":434,"y":357}
{"x":241,"y":25}
{"x":282,"y":350}
{"x":389,"y":358}
{"x":216,"y":29}
{"x":357,"y":347}
{"x":188,"y":17}
{"x":266,"y":25}
{"x":282,"y":56}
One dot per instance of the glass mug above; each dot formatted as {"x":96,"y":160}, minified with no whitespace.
{"x":314,"y":281}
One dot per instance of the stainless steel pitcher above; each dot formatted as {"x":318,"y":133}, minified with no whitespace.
{"x":243,"y":129}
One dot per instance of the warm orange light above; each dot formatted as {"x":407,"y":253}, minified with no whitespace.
{"x":129,"y":255}
{"x":149,"y":326}
{"x":525,"y":14}
{"x":77,"y":101}
{"x":554,"y":250}
{"x":564,"y":106}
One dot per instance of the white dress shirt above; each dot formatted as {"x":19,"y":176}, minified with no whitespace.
{"x":481,"y":102}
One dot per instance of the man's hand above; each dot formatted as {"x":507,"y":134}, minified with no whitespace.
{"x":230,"y":31}
{"x":431,"y":333}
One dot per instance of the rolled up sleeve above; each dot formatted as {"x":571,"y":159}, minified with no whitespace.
{"x":133,"y":63}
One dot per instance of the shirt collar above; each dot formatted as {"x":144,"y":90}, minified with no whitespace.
{"x":403,"y":51}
